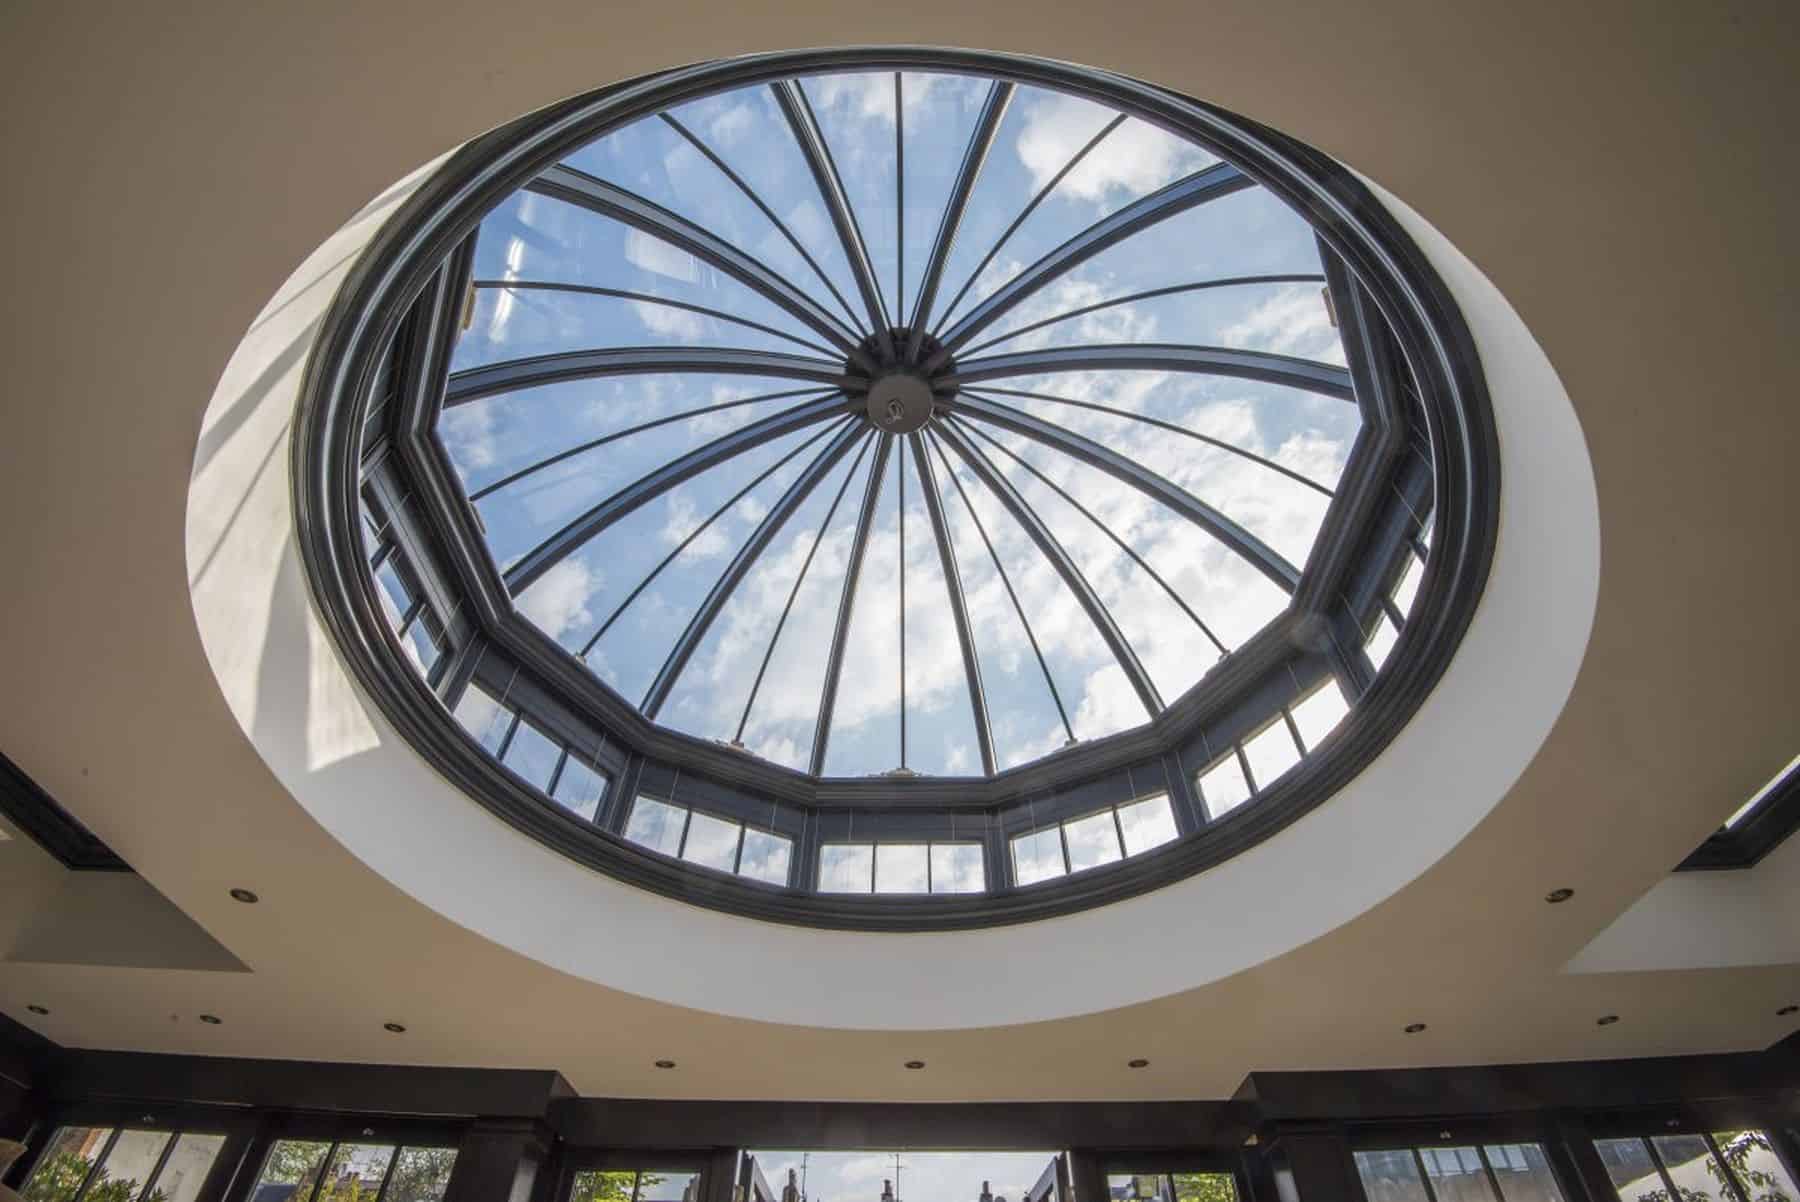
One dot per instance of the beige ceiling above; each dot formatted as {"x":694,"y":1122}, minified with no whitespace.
{"x":1623,"y":172}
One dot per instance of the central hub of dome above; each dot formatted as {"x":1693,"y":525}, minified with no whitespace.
{"x":899,"y":402}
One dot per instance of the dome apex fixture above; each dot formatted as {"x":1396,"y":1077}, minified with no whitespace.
{"x":887,"y":486}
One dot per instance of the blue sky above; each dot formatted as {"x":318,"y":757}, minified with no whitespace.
{"x":533,"y":238}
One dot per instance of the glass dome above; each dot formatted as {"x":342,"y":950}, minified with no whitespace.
{"x":895,"y":488}
{"x":898,"y":421}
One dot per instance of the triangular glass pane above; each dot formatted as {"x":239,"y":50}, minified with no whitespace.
{"x":865,"y":721}
{"x":940,"y":112}
{"x":940,"y":730}
{"x":855,"y":111}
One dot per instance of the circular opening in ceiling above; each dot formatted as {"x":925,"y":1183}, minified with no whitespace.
{"x":895,"y":488}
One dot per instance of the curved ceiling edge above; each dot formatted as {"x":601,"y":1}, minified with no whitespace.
{"x":333,"y":749}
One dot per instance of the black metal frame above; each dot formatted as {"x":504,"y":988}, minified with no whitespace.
{"x":1417,"y":382}
{"x":51,"y":827}
{"x":1775,"y":817}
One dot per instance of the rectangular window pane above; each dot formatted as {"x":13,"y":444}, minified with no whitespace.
{"x":594,"y":1185}
{"x":667,"y":1187}
{"x":579,"y":788}
{"x":1147,"y":823}
{"x":1691,"y":1166}
{"x":64,"y":1165}
{"x":395,"y":597}
{"x":1223,"y":787}
{"x":1137,"y":1187}
{"x":185,"y":1171}
{"x":766,"y":857}
{"x":1753,"y":1162}
{"x":1524,"y":1173}
{"x":1319,"y":714}
{"x":1390,"y":1176}
{"x":1381,"y":641}
{"x":957,"y":868}
{"x":355,"y":1173}
{"x":901,"y":867}
{"x":1038,"y":856}
{"x":289,"y":1173}
{"x":1407,"y":590}
{"x":1093,"y":841}
{"x":1456,"y":1174}
{"x":1632,"y":1171}
{"x":711,"y":842}
{"x":1270,"y":753}
{"x":423,"y":643}
{"x":846,"y":868}
{"x":656,"y":825}
{"x":532,"y":754}
{"x":420,"y":1175}
{"x":1203,"y":1187}
{"x":483,"y":717}
{"x":128,"y":1166}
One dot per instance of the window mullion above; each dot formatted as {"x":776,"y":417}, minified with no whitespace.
{"x":1487,"y":1166}
{"x":1662,"y":1170}
{"x":1731,"y":1177}
{"x":1424,"y":1177}
{"x":324,"y":1167}
{"x":162,"y":1159}
{"x":99,"y":1163}
{"x":388,"y":1175}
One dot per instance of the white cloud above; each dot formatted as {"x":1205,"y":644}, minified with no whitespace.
{"x":668,"y":322}
{"x":1135,"y":158}
{"x":731,"y":124}
{"x":469,"y":432}
{"x":1294,"y":321}
{"x":658,"y":257}
{"x":559,"y":600}
{"x":683,"y":519}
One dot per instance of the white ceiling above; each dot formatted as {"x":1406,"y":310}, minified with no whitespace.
{"x":1621,"y":174}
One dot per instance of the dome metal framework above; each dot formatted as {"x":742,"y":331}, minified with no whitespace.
{"x":990,"y":365}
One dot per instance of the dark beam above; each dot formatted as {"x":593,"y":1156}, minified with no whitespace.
{"x":1060,"y":559}
{"x":552,"y":550}
{"x":1260,"y":555}
{"x":1220,"y":179}
{"x":650,"y":298}
{"x":959,"y":610}
{"x":980,"y":142}
{"x":840,"y":634}
{"x":1325,"y":378}
{"x":811,"y":140}
{"x":609,"y":200}
{"x":743,"y":561}
{"x":513,"y":375}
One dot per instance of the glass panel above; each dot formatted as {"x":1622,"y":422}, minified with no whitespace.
{"x":1407,"y":590}
{"x":1743,"y":811}
{"x":1691,"y":1166}
{"x":846,"y":868}
{"x":1092,"y":841}
{"x":1523,"y":1172}
{"x":1271,"y":753}
{"x":483,"y":717}
{"x":128,"y":1166}
{"x":667,"y":1187}
{"x":1632,"y":1171}
{"x":901,"y":867}
{"x":1456,"y":1174}
{"x":185,"y":1171}
{"x":1204,"y":1187}
{"x":395,"y":597}
{"x":532,"y":754}
{"x":656,"y":825}
{"x":1390,"y":1176}
{"x":711,"y":842}
{"x":1752,"y":1160}
{"x":766,"y":857}
{"x":291,"y":1171}
{"x":1319,"y":714}
{"x":65,"y":1164}
{"x":1137,"y":1187}
{"x":1223,"y":787}
{"x":422,"y":643}
{"x":1381,"y":641}
{"x":420,"y":1175}
{"x":593,"y":1185}
{"x":957,"y":868}
{"x":1038,"y":856}
{"x":579,"y":788}
{"x":1147,"y":823}
{"x":355,"y":1173}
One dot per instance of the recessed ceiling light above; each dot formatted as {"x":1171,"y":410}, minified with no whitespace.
{"x":37,"y":1009}
{"x":1414,"y":1028}
{"x":1787,"y":1010}
{"x":396,"y":1028}
{"x":1140,"y":1063}
{"x":211,"y":1020}
{"x":1559,"y":895}
{"x":1606,"y":1020}
{"x":245,"y":896}
{"x":915,"y":1064}
{"x":665,"y":1064}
